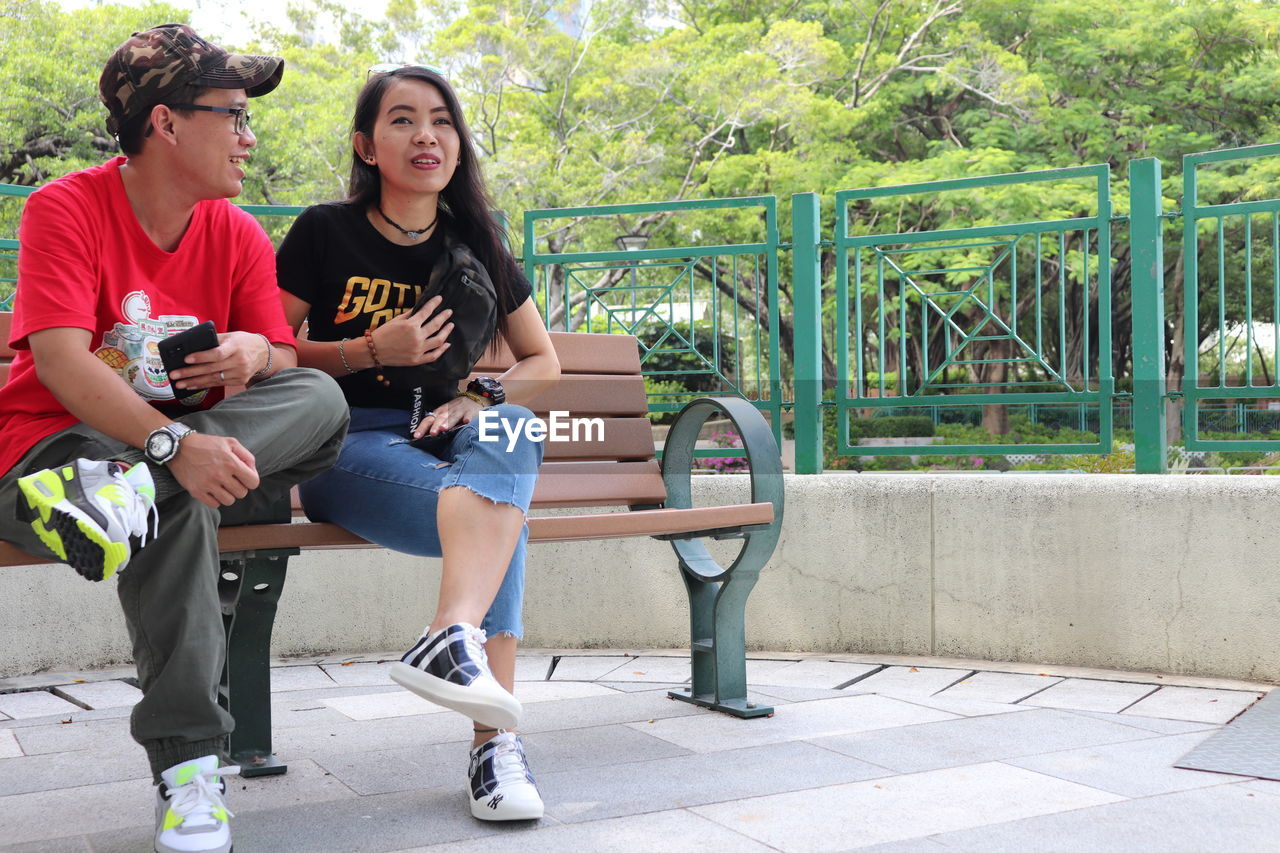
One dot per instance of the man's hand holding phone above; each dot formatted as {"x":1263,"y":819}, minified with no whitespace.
{"x":198,"y":358}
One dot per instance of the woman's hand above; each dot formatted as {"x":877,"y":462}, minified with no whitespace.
{"x":406,"y":341}
{"x":233,"y":361}
{"x":459,"y":410}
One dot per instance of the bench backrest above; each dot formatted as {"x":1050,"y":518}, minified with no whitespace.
{"x":600,"y":378}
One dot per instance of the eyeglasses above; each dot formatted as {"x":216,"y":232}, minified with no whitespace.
{"x":242,"y":115}
{"x":388,"y":67}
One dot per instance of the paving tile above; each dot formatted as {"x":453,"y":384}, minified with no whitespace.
{"x":76,"y":844}
{"x":966,"y":707}
{"x":288,"y":678}
{"x":911,"y":845}
{"x":110,"y":734}
{"x":773,"y":694}
{"x":532,"y":667}
{"x":668,"y":831}
{"x":900,"y":808}
{"x":711,"y":731}
{"x":359,"y":674}
{"x":600,"y":792}
{"x":810,"y":673}
{"x":761,"y":671}
{"x":1006,"y":687}
{"x":438,"y":764}
{"x":639,"y":707}
{"x":35,"y":703}
{"x":531,"y":692}
{"x":80,"y":810}
{"x":379,"y":706}
{"x":55,"y":770}
{"x":971,"y":740}
{"x":9,"y":747}
{"x":653,"y":669}
{"x":1142,"y":768}
{"x":1194,"y":703}
{"x":1263,"y":786}
{"x":905,"y":682}
{"x":1221,"y":818}
{"x":1151,"y":724}
{"x":588,"y":668}
{"x":638,"y":686}
{"x":104,"y":694}
{"x":375,"y":823}
{"x":1085,"y":694}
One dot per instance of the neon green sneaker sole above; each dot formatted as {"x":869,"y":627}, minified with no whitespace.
{"x":70,"y":534}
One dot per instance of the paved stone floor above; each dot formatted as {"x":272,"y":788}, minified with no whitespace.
{"x":870,"y":753}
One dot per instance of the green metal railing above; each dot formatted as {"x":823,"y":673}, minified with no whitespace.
{"x":702,"y":313}
{"x":9,"y":249}
{"x":1225,"y":227}
{"x":954,"y":313}
{"x":1007,"y":314}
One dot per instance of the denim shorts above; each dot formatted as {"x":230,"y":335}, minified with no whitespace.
{"x":386,"y":491}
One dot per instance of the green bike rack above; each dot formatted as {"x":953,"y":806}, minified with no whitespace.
{"x":718,"y":595}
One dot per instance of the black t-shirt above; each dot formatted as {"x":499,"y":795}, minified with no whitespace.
{"x":355,"y":279}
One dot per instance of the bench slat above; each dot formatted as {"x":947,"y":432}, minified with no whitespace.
{"x":585,"y":395}
{"x":562,"y":528}
{"x":579,"y":352}
{"x":629,"y":439}
{"x":568,"y":484}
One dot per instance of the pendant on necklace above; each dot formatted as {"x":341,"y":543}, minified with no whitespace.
{"x":413,"y":235}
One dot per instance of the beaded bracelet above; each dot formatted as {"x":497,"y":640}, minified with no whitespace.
{"x":373,"y":353}
{"x":270,"y":353}
{"x":342,"y":354}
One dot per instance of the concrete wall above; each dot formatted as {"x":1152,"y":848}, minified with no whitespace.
{"x":1172,"y":574}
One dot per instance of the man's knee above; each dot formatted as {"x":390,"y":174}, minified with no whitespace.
{"x":318,"y":391}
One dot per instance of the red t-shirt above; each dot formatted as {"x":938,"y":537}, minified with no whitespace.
{"x":85,"y":262}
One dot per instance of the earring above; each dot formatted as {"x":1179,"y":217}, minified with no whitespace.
{"x":370,"y":161}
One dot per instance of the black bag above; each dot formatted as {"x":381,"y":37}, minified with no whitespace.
{"x":467,"y":289}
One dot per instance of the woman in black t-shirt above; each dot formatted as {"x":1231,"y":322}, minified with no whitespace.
{"x":354,"y":270}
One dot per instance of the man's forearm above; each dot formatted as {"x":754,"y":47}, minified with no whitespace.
{"x":96,"y":396}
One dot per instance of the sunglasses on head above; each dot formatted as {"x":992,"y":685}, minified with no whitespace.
{"x":388,"y":67}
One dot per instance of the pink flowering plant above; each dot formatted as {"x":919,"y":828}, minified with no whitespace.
{"x":725,"y":464}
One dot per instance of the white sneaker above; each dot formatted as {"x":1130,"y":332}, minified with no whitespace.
{"x":87,"y":511}
{"x":191,"y":812}
{"x":502,"y":788}
{"x":451,"y":669}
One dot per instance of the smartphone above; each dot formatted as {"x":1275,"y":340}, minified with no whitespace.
{"x":175,"y":348}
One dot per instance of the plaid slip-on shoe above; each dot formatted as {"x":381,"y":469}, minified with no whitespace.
{"x":450,"y":669}
{"x":502,"y":788}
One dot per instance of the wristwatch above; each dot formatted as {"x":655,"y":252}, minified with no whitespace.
{"x":487,"y":388}
{"x":162,"y":444}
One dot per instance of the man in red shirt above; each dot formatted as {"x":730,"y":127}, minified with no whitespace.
{"x":106,"y":467}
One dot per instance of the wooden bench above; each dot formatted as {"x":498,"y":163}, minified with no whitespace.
{"x":600,"y":379}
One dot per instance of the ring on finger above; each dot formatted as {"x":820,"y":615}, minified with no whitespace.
{"x":222,"y":375}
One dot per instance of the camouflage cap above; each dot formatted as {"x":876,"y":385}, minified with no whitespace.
{"x":157,"y":62}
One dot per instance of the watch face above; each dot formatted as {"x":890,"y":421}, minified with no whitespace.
{"x":160,"y":445}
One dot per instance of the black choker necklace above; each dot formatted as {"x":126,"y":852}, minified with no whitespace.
{"x":412,"y":235}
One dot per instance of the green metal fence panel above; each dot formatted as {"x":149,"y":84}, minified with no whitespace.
{"x":11,"y":199}
{"x":977,"y":315}
{"x":1146,"y":238}
{"x":1239,"y":244}
{"x":703,"y":308}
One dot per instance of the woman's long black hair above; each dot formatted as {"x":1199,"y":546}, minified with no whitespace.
{"x":464,"y":203}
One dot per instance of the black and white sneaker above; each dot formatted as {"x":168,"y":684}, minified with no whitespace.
{"x":450,"y":668}
{"x":502,"y":788}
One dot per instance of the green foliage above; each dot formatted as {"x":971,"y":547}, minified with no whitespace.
{"x":897,"y":426}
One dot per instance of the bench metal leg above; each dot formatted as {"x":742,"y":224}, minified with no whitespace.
{"x":717,"y":615}
{"x":250,"y":587}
